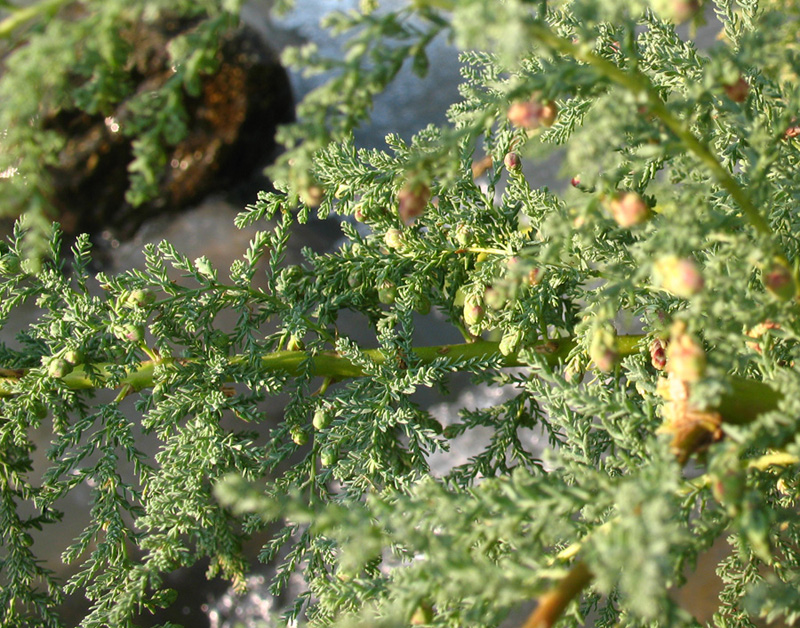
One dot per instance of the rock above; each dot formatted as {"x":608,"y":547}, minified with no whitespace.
{"x":231,"y":126}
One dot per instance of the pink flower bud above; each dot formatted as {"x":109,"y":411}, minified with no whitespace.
{"x":680,"y":276}
{"x":678,"y":11}
{"x":758,"y":331}
{"x":473,"y":310}
{"x":512,"y":162}
{"x":779,"y":281}
{"x":531,"y":114}
{"x":496,"y":298}
{"x":312,"y":195}
{"x":533,"y":277}
{"x":628,"y":209}
{"x":738,"y":91}
{"x":602,"y":350}
{"x":412,"y":200}
{"x":686,"y":359}
{"x":658,"y":354}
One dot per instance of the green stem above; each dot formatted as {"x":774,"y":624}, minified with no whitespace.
{"x":746,"y":400}
{"x":640,"y":85}
{"x":25,"y":14}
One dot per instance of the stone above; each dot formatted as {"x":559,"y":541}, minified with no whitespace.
{"x":231,"y":126}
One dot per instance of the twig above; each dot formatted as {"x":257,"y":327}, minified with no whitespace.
{"x":553,"y":603}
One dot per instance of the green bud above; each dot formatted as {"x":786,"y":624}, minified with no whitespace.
{"x":463,"y":235}
{"x":74,"y":356}
{"x":393,"y":238}
{"x":422,"y":304}
{"x":496,"y":298}
{"x":473,"y":310}
{"x":295,"y":344}
{"x":322,"y":419}
{"x":387,"y":292}
{"x":39,"y":410}
{"x":328,"y":456}
{"x":140,"y":297}
{"x":58,"y":368}
{"x":354,"y":279}
{"x":130,"y":332}
{"x":219,"y":339}
{"x":510,"y":342}
{"x":299,"y":435}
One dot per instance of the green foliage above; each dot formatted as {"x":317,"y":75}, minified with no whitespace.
{"x":585,"y":299}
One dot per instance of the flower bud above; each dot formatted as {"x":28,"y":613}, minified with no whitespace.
{"x":387,"y":292}
{"x":686,"y":359}
{"x":322,"y":419}
{"x":779,"y":281}
{"x":359,"y":213}
{"x":354,"y":278}
{"x":510,"y":342}
{"x":393,"y":238}
{"x":676,"y":11}
{"x":299,"y":435}
{"x":130,"y":332}
{"x":295,"y":343}
{"x":738,"y":91}
{"x":680,"y":276}
{"x":473,"y":310}
{"x":74,"y":356}
{"x":412,"y":200}
{"x":602,"y":350}
{"x":58,"y":368}
{"x":140,"y":297}
{"x":328,"y":457}
{"x":312,"y":195}
{"x":628,"y":209}
{"x":463,"y":235}
{"x":658,"y":354}
{"x":220,"y":340}
{"x":495,"y":298}
{"x":728,"y":487}
{"x":512,"y":162}
{"x":531,"y":114}
{"x":422,"y":304}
